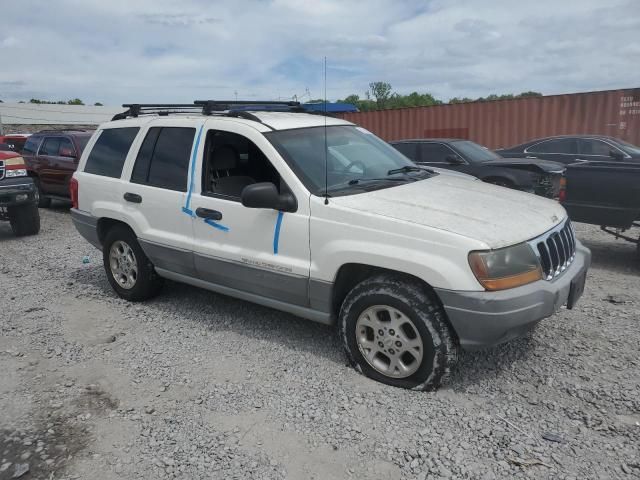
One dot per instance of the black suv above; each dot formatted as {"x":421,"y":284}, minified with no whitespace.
{"x":51,"y":157}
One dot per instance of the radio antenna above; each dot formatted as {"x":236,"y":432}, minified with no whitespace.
{"x":326,"y":148}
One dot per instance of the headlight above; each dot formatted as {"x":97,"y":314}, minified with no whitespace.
{"x":20,"y":172}
{"x":505,"y":268}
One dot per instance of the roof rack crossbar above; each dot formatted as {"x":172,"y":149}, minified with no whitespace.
{"x":210,"y":106}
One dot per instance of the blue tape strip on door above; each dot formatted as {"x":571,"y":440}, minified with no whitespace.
{"x":216,"y":225}
{"x":276,"y":233}
{"x":192,"y":168}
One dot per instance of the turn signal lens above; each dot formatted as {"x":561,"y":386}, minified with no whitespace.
{"x":505,"y":268}
{"x":14,"y":163}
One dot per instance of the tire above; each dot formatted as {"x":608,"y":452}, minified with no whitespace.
{"x":24,"y":219}
{"x":390,"y":299}
{"x":137,"y":278}
{"x":43,"y":202}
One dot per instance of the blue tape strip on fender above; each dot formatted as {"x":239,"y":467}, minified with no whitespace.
{"x":276,"y":233}
{"x":192,"y":168}
{"x":216,"y":225}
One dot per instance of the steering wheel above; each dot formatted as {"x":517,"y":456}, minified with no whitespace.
{"x":355,"y":163}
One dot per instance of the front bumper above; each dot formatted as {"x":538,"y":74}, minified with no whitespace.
{"x":16,"y":191}
{"x":483,"y":319}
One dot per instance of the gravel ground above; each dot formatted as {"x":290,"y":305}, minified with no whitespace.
{"x":197,"y":385}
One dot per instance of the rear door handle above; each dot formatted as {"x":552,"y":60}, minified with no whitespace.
{"x":132,"y":197}
{"x":208,"y":213}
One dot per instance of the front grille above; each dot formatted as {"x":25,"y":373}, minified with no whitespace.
{"x":2,"y":169}
{"x":556,"y":250}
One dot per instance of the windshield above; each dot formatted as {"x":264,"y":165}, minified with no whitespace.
{"x":474,"y":152}
{"x":353,"y":156}
{"x":628,"y":147}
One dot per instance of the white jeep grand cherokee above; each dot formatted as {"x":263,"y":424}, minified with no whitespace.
{"x":320,"y":218}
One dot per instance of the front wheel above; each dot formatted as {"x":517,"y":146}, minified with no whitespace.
{"x":43,"y":202}
{"x":24,"y":219}
{"x":129,"y":271}
{"x":394,"y":331}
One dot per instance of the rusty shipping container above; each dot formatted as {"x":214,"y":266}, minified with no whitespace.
{"x":503,"y":123}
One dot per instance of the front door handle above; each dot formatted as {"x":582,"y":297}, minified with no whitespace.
{"x":132,"y":197}
{"x":208,"y":213}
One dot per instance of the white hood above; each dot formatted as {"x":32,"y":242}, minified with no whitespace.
{"x":497,"y":216}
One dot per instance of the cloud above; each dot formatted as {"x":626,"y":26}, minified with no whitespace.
{"x":161,"y":50}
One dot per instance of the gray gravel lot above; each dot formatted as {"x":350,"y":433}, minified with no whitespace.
{"x":198,"y":385}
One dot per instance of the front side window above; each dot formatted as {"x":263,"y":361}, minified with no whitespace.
{"x":232,"y":162}
{"x":31,"y":146}
{"x":163,"y":159}
{"x":110,"y":151}
{"x":559,"y":145}
{"x":595,"y":147}
{"x":434,"y":152}
{"x":409,"y":150}
{"x":353,"y":158}
{"x":475,"y":152}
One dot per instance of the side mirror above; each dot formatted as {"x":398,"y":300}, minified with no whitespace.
{"x":454,"y":160}
{"x":616,"y":155}
{"x":265,"y":195}
{"x":67,"y":152}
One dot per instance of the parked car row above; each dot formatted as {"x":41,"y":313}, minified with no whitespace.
{"x":534,"y":176}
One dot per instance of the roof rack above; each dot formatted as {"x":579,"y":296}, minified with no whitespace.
{"x":228,"y":108}
{"x":58,"y":130}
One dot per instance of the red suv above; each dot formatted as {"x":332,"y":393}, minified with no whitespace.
{"x":52,"y":157}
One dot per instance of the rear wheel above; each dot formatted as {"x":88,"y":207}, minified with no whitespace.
{"x":24,"y":219}
{"x":129,"y":271}
{"x":43,"y":202}
{"x":395,"y":332}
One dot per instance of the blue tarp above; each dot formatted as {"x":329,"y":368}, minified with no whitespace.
{"x":331,"y":107}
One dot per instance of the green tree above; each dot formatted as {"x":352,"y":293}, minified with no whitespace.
{"x":381,"y":91}
{"x":98,"y":104}
{"x":75,"y":101}
{"x":529,"y":94}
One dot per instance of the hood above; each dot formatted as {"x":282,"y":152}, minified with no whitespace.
{"x":497,"y":216}
{"x":6,"y":154}
{"x":542,"y":165}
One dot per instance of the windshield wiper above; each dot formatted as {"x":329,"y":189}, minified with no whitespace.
{"x":357,"y":181}
{"x":361,"y":182}
{"x":409,"y":168}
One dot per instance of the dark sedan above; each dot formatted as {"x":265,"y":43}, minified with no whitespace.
{"x":570,"y":149}
{"x":539,"y":177}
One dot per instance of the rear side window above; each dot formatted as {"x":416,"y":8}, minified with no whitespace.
{"x":163,"y":159}
{"x":50,"y":146}
{"x":110,"y":151}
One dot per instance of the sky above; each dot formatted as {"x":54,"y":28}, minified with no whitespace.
{"x":127,"y":51}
